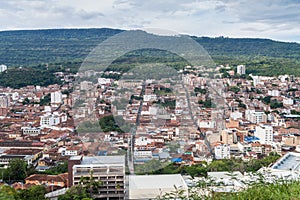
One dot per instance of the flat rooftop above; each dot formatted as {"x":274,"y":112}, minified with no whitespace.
{"x":87,"y":160}
{"x":290,"y":161}
{"x":156,"y":181}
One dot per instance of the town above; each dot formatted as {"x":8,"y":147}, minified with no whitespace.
{"x":117,"y":128}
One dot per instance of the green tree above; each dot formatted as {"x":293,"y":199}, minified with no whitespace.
{"x":19,"y":166}
{"x":45,"y":100}
{"x":7,"y":192}
{"x":33,"y":193}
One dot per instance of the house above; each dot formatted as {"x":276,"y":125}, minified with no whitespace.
{"x":60,"y":180}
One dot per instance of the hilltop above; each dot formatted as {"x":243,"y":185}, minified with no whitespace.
{"x":34,"y":47}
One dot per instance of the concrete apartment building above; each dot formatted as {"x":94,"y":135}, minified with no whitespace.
{"x":241,"y":69}
{"x":264,"y":133}
{"x":110,"y":170}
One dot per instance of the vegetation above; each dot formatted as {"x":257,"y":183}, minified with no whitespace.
{"x":208,"y":103}
{"x":21,"y":77}
{"x":234,"y":89}
{"x":69,"y":47}
{"x":272,"y":102}
{"x":15,"y":165}
{"x":170,"y":103}
{"x":261,"y":190}
{"x":59,"y":169}
{"x":88,"y":127}
{"x":85,"y":190}
{"x":45,"y":100}
{"x":200,"y":90}
{"x":155,"y":167}
{"x":32,"y":193}
{"x":110,"y":123}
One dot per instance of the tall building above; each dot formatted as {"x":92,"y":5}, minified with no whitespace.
{"x":4,"y":101}
{"x":3,"y":68}
{"x":256,"y":116}
{"x":110,"y":170}
{"x":56,"y":97}
{"x":264,"y":133}
{"x":222,"y":151}
{"x":241,"y":69}
{"x":49,"y":119}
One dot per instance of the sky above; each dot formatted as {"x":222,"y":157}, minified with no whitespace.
{"x":274,"y":19}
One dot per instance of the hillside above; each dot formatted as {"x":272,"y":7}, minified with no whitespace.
{"x":33,"y":47}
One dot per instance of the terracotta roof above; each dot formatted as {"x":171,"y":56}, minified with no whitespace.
{"x":45,"y":177}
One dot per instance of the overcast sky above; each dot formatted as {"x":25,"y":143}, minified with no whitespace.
{"x":275,"y":19}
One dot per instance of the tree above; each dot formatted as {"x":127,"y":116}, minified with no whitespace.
{"x":19,"y":166}
{"x":90,"y":184}
{"x":234,"y":89}
{"x":45,"y":100}
{"x":7,"y":192}
{"x":86,"y":188}
{"x":33,"y":193}
{"x":76,"y":192}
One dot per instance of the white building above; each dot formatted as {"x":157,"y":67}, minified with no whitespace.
{"x":3,"y":68}
{"x":64,"y":151}
{"x":155,"y":186}
{"x":206,"y":124}
{"x":264,"y":133}
{"x":222,"y":151}
{"x":150,"y":97}
{"x":142,"y":156}
{"x":288,"y":101}
{"x":236,"y":115}
{"x":4,"y":101}
{"x":256,"y":80}
{"x":56,"y":97}
{"x":104,"y":81}
{"x":86,"y":85}
{"x":110,"y":170}
{"x":241,"y":69}
{"x":49,"y":119}
{"x":33,"y":131}
{"x":256,"y":116}
{"x":15,"y":96}
{"x":274,"y":93}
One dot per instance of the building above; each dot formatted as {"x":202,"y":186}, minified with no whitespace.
{"x":155,"y":186}
{"x":86,"y":85}
{"x":274,"y":93}
{"x":32,"y":131}
{"x":264,"y":133}
{"x":256,"y":116}
{"x":4,"y":101}
{"x":150,"y":97}
{"x":142,"y":156}
{"x":222,"y":151}
{"x":59,"y":180}
{"x":49,"y":120}
{"x":3,"y":68}
{"x":110,"y":170}
{"x":241,"y":69}
{"x":6,"y":158}
{"x":56,"y":97}
{"x":289,"y":162}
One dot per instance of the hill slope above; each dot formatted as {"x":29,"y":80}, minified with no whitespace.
{"x":33,"y":47}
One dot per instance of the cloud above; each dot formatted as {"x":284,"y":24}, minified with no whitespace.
{"x":241,"y":18}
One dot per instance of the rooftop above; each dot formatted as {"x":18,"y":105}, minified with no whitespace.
{"x":156,"y":181}
{"x":87,"y":160}
{"x":290,"y":161}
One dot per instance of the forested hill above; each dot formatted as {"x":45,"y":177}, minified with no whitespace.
{"x":222,"y":46}
{"x":33,"y":47}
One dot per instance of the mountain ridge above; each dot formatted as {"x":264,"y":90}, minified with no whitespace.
{"x":34,"y":47}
